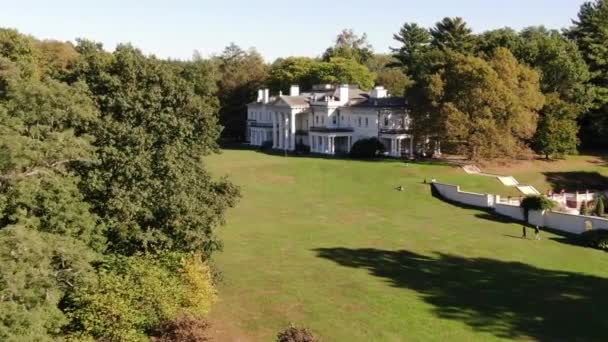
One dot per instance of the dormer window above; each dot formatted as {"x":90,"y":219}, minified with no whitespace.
{"x":386,"y":121}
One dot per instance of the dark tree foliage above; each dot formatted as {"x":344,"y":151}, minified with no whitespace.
{"x":349,"y":45}
{"x":415,"y":42}
{"x":100,"y":153}
{"x":184,"y":328}
{"x":590,"y":32}
{"x":150,"y":185}
{"x":453,"y":34}
{"x":296,"y":334}
{"x":240,"y":75}
{"x":367,"y":148}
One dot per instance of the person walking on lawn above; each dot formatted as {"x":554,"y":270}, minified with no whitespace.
{"x":536,"y":233}
{"x":523,"y":231}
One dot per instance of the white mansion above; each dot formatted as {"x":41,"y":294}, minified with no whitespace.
{"x":329,"y":120}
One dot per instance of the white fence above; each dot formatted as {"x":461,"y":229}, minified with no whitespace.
{"x":569,"y":223}
{"x":453,"y":193}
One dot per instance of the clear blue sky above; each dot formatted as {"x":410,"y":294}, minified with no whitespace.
{"x":175,"y":28}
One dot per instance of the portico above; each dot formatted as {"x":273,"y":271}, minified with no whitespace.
{"x":395,"y":143}
{"x":330,"y":142}
{"x":284,"y":131}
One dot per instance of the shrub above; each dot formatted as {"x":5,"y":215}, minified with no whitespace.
{"x":135,"y":294}
{"x":596,"y":238}
{"x":295,"y":334}
{"x":302,"y":148}
{"x":366,"y":149}
{"x":584,"y":208}
{"x":266,"y":145}
{"x":184,"y":328}
{"x":199,"y":278}
{"x":536,"y":202}
{"x":600,"y":206}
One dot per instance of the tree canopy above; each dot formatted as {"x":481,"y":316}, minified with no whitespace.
{"x":101,"y":160}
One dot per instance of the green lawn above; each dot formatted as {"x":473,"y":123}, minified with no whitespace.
{"x":329,"y":244}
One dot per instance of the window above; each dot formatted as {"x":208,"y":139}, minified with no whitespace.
{"x":366,"y":122}
{"x":316,"y":119}
{"x":322,"y":120}
{"x":386,"y":121}
{"x":359,"y":121}
{"x":333,"y":119}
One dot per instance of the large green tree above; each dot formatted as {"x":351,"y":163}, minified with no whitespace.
{"x":241,"y":74}
{"x":488,"y":108}
{"x":100,"y":155}
{"x":307,"y":72}
{"x":590,"y":32}
{"x":150,"y":185}
{"x":557,"y":132}
{"x":349,"y":45}
{"x":415,"y":42}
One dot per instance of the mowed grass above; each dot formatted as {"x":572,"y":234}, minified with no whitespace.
{"x":331,"y":245}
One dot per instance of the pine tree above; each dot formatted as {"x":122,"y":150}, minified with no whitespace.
{"x":599,"y":208}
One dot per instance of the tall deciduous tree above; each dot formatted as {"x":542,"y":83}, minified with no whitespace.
{"x":307,"y":72}
{"x":488,"y":108}
{"x":557,"y":133}
{"x":150,"y":185}
{"x":241,"y":74}
{"x":349,"y":45}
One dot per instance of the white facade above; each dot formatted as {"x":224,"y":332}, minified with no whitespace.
{"x":329,"y":120}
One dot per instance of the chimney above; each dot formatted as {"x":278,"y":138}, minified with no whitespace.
{"x":343,"y":93}
{"x":266,"y":95}
{"x":379,"y":93}
{"x":294,"y":90}
{"x":260,"y":95}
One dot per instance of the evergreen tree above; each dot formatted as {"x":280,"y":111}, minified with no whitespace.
{"x":415,"y":41}
{"x":590,"y":32}
{"x":453,"y":34}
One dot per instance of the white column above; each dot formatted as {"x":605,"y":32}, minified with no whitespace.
{"x":274,"y":130}
{"x":412,"y":146}
{"x":350,"y":140}
{"x":292,"y":131}
{"x":286,"y":131}
{"x":398,"y":147}
{"x":323,"y":144}
{"x":281,"y":128}
{"x":311,"y":142}
{"x":332,"y":149}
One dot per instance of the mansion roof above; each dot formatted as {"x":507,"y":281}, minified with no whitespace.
{"x":356,"y":98}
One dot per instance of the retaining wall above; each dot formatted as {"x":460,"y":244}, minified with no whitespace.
{"x":568,"y":223}
{"x":453,"y":193}
{"x":510,"y":210}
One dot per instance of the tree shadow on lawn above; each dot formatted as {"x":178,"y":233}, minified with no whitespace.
{"x":508,"y":299}
{"x":576,"y":181}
